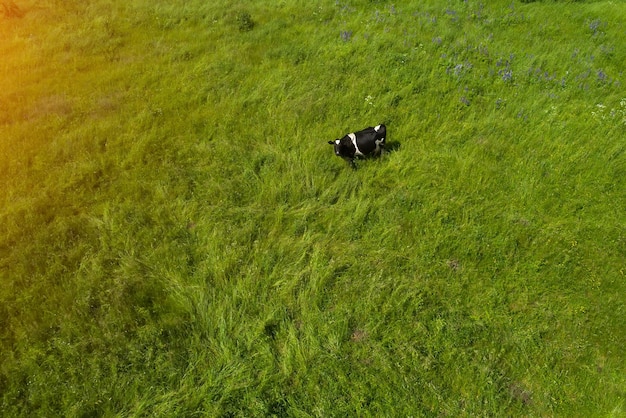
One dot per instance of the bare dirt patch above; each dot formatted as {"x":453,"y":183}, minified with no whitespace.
{"x":54,"y":105}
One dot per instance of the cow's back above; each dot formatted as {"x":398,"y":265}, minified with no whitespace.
{"x":371,"y":140}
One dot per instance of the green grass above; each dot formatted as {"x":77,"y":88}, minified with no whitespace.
{"x":177,"y":238}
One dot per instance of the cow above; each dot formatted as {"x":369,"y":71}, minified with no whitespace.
{"x":369,"y":141}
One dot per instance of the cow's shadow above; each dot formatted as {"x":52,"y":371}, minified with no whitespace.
{"x":392,"y":146}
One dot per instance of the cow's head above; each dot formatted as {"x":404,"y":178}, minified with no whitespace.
{"x":337,"y":145}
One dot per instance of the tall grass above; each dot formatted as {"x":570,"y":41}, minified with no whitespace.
{"x":177,"y":238}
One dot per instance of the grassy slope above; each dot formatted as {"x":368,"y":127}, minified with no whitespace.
{"x":177,"y":237}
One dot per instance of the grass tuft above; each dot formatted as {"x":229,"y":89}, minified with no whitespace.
{"x":177,"y":238}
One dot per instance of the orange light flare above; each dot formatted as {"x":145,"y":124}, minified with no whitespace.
{"x":12,"y":53}
{"x":18,"y":58}
{"x":11,"y":9}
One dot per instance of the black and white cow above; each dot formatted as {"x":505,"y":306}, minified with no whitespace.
{"x":369,"y":141}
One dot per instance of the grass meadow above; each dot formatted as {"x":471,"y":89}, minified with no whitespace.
{"x":177,"y":238}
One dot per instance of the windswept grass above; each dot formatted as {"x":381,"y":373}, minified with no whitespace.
{"x":177,"y":238}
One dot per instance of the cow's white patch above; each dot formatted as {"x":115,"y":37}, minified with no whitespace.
{"x":356,"y":147}
{"x":337,"y":141}
{"x":378,"y":147}
{"x":376,"y":128}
